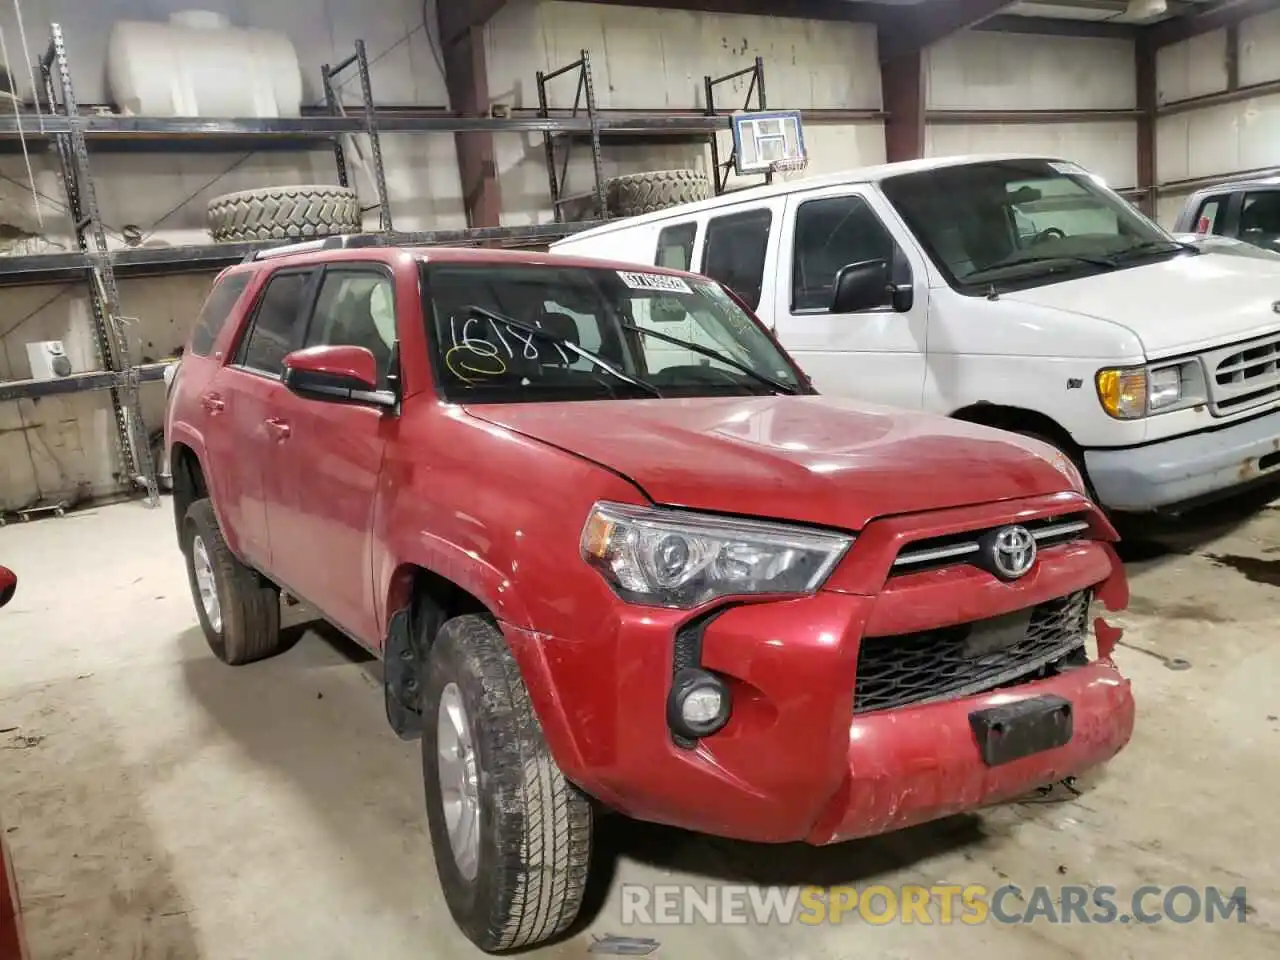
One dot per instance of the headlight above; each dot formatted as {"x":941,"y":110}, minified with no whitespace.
{"x":1131,"y":393}
{"x":674,"y":558}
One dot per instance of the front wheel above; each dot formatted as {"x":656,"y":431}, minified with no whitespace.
{"x":511,"y":836}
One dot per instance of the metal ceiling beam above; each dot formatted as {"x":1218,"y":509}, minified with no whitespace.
{"x":909,"y":29}
{"x":456,"y":17}
{"x":1220,"y":15}
{"x":1053,"y":27}
{"x":838,"y":10}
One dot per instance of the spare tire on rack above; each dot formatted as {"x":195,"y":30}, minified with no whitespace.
{"x":637,"y":193}
{"x":296,"y":212}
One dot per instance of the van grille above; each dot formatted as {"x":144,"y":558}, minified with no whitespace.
{"x":1245,"y":375}
{"x":971,"y":658}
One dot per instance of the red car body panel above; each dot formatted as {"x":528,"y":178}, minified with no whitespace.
{"x":13,"y":944}
{"x":753,"y":455}
{"x":351,"y":502}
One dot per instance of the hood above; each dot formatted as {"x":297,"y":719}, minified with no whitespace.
{"x":818,"y":460}
{"x":1182,"y":305}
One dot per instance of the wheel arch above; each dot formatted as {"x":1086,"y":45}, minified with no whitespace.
{"x":416,"y":591}
{"x":1019,"y":420}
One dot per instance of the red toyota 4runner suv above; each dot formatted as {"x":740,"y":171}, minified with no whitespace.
{"x":615,"y":554}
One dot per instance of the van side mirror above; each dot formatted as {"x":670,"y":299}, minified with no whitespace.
{"x":8,"y":585}
{"x":338,"y":373}
{"x":861,"y":286}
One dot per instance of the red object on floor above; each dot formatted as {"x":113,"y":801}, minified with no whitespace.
{"x":12,"y":944}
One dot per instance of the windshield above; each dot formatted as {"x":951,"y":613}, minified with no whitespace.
{"x":1022,"y":223}
{"x":477,"y":358}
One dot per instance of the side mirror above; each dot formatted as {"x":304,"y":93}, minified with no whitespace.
{"x":338,"y":374}
{"x":861,"y":286}
{"x":8,"y":585}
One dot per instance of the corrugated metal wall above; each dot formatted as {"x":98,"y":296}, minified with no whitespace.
{"x":645,"y":58}
{"x":983,"y":71}
{"x":1216,"y":140}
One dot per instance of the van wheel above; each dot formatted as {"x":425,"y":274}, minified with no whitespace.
{"x":511,"y":837}
{"x":239,"y":610}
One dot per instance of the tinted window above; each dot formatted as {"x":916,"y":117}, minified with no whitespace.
{"x":216,"y":310}
{"x":831,"y":234}
{"x":273,"y":326}
{"x":735,"y":250}
{"x":356,"y":308}
{"x":1260,"y":219}
{"x":675,"y":246}
{"x":1208,"y":219}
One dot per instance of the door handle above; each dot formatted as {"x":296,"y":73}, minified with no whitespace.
{"x":213,"y":403}
{"x":278,"y":427}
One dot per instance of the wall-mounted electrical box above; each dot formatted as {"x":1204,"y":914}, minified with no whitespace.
{"x":48,"y":359}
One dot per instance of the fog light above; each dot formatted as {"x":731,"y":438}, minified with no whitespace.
{"x":699,"y":704}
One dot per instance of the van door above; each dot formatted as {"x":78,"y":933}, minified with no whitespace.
{"x":876,"y":355}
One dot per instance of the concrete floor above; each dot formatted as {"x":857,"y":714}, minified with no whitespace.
{"x":160,"y":804}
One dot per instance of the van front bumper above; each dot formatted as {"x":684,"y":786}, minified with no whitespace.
{"x":1186,"y":469}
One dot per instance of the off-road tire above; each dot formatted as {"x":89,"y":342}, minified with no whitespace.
{"x":302,"y":212}
{"x":638,"y":193}
{"x":250,"y":604}
{"x":535,"y":827}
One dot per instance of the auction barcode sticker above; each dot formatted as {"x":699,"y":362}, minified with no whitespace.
{"x":654,"y":281}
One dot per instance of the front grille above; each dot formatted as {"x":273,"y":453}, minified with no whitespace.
{"x":1245,"y":375}
{"x":966,"y":547}
{"x":959,"y":661}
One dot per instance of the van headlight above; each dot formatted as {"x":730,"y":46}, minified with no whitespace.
{"x":676,"y":558}
{"x":1131,"y":393}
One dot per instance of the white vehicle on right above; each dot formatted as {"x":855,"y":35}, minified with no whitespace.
{"x":1015,"y":291}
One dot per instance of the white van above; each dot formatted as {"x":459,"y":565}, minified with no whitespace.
{"x":1015,"y":291}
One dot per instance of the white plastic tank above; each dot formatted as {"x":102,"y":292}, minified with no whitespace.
{"x":198,"y":65}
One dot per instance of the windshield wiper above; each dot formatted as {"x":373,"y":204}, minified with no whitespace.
{"x":565,"y":342}
{"x":1105,"y":262}
{"x":1154,"y":246}
{"x":714,"y":355}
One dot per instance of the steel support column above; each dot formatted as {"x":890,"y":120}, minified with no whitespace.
{"x":902,"y":81}
{"x":461,"y":25}
{"x":1144,"y":56}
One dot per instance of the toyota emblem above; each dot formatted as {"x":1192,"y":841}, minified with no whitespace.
{"x":1012,"y":552}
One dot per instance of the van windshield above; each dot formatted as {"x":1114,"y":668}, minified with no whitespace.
{"x":636,"y":334}
{"x":1014,"y":224}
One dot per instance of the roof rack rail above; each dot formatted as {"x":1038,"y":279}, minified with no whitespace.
{"x":346,"y":241}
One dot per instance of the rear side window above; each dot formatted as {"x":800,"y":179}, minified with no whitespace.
{"x":215,"y":312}
{"x":675,"y":246}
{"x":735,"y":250}
{"x":271,"y":336}
{"x":1208,"y":220}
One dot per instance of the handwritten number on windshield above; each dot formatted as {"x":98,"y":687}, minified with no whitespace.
{"x":472,"y":357}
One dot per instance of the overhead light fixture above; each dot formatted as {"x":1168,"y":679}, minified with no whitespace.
{"x":1146,"y":9}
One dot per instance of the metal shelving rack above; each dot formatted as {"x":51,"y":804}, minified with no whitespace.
{"x":598,"y":126}
{"x":104,"y":295}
